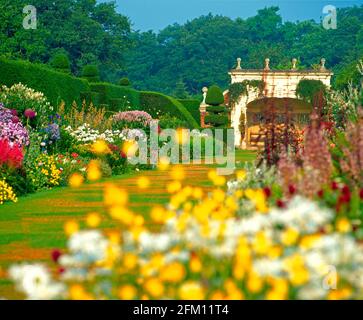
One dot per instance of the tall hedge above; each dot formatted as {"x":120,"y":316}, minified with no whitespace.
{"x":158,"y":104}
{"x":114,"y":96}
{"x":55,"y":85}
{"x":192,"y":105}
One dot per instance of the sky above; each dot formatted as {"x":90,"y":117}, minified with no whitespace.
{"x":157,"y":14}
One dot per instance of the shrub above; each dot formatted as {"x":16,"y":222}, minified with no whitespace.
{"x":214,"y":96}
{"x":217,"y":109}
{"x":91,"y":73}
{"x":157,"y":104}
{"x":124,"y":82}
{"x":169,"y":122}
{"x":56,"y":86}
{"x":31,"y":106}
{"x":61,"y":63}
{"x":308,"y":89}
{"x":192,"y":105}
{"x":131,"y":119}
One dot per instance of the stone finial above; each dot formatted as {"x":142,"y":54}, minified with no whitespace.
{"x":205,"y":91}
{"x":322,"y":64}
{"x":239,"y":60}
{"x":294,"y":64}
{"x":267,"y":64}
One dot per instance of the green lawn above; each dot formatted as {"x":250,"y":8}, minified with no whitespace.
{"x":31,"y":228}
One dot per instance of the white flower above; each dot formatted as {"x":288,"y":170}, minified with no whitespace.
{"x":35,"y":282}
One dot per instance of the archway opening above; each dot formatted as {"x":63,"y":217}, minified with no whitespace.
{"x":261,"y":111}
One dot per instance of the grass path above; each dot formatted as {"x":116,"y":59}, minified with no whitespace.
{"x":33,"y":227}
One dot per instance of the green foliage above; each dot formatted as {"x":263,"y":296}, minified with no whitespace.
{"x":169,"y":122}
{"x":60,"y":62}
{"x":157,"y":104}
{"x":56,"y":86}
{"x":116,"y":98}
{"x":91,"y":73}
{"x":214,"y":96}
{"x":89,"y":32}
{"x":205,"y":48}
{"x":308,"y":89}
{"x":216,"y":120}
{"x":180,"y":91}
{"x":124,"y":82}
{"x":241,"y":88}
{"x":348,"y":74}
{"x":216,"y":109}
{"x":192,"y":105}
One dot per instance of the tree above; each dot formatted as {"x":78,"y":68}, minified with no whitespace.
{"x":60,"y":62}
{"x":91,"y":73}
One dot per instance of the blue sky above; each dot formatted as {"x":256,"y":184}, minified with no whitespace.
{"x":157,"y":14}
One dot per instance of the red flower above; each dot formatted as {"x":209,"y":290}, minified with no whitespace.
{"x":321,"y":194}
{"x":292,"y":189}
{"x":267,"y":191}
{"x":361,"y":193}
{"x":11,"y":156}
{"x":334,"y":185}
{"x":280,"y":204}
{"x":75,"y":155}
{"x":56,"y":254}
{"x":123,"y":155}
{"x":346,"y":190}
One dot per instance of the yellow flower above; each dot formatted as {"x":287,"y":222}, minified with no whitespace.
{"x":289,"y":237}
{"x":191,"y":290}
{"x":93,"y":171}
{"x":340,"y":294}
{"x":173,"y":272}
{"x":177,"y":173}
{"x":122,"y":214}
{"x":173,"y":187}
{"x":93,"y":220}
{"x":76,"y":180}
{"x":78,"y":292}
{"x":195,"y":264}
{"x":154,"y":287}
{"x":254,"y":282}
{"x":143,"y":182}
{"x":130,"y":261}
{"x":127,"y":292}
{"x":343,"y":225}
{"x":130,"y":148}
{"x":163,"y":164}
{"x":114,"y":196}
{"x":100,"y":147}
{"x":71,"y":227}
{"x":241,"y":175}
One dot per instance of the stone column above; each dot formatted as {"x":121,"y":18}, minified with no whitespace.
{"x":203,"y":108}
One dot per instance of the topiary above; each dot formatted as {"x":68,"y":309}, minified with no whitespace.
{"x":214,"y":96}
{"x":91,"y":73}
{"x":61,"y":63}
{"x":125,"y":82}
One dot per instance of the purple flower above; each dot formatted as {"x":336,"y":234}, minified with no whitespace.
{"x":29,"y":113}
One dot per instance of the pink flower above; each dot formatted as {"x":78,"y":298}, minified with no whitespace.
{"x":29,"y":113}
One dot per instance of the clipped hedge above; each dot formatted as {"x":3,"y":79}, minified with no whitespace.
{"x":114,"y":96}
{"x":192,"y":105}
{"x":216,"y":120}
{"x":217,"y":109}
{"x":157,"y":104}
{"x":214,"y":96}
{"x":55,"y":85}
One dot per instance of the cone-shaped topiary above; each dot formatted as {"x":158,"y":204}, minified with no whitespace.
{"x":91,"y":73}
{"x":214,"y":96}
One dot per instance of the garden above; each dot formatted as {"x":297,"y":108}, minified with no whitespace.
{"x":80,"y":221}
